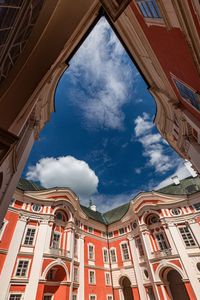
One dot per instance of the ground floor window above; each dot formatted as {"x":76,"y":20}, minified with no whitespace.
{"x":15,"y":297}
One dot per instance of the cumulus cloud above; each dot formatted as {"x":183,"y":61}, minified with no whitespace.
{"x":65,"y":171}
{"x":154,"y":147}
{"x":101,"y":65}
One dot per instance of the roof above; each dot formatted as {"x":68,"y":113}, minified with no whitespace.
{"x":28,"y":185}
{"x":187,"y":186}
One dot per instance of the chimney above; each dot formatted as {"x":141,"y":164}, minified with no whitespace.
{"x":92,"y":206}
{"x":175,"y":180}
{"x":189,"y":167}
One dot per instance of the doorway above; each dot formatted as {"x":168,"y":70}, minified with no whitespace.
{"x":126,"y":289}
{"x":176,"y":287}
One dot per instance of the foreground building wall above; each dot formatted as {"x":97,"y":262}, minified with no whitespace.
{"x":51,"y":247}
{"x":161,"y":36}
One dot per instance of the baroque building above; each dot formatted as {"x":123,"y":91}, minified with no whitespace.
{"x":53,"y":248}
{"x":38,"y":40}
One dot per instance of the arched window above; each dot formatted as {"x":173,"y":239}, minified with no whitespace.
{"x":152,"y":219}
{"x":61,"y":216}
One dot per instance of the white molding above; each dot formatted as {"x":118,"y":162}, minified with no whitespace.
{"x":94,"y":271}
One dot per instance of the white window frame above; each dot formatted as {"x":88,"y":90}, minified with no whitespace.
{"x":109,"y":275}
{"x":16,"y":267}
{"x":121,"y":233}
{"x":122,"y":251}
{"x":195,"y":92}
{"x":192,"y":236}
{"x":58,"y":233}
{"x":92,"y":295}
{"x":29,"y":245}
{"x":109,"y":296}
{"x":5,"y":222}
{"x":113,"y":262}
{"x":36,"y":204}
{"x":161,"y":242}
{"x":93,"y":256}
{"x":110,"y":234}
{"x":48,"y":294}
{"x":107,"y":255}
{"x":16,"y":293}
{"x":104,"y":234}
{"x":92,"y":271}
{"x":90,"y":229}
{"x":76,"y":274}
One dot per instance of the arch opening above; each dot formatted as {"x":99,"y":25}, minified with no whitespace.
{"x":174,"y":284}
{"x":126,"y":288}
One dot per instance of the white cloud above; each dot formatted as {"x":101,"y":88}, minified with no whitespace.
{"x":65,"y":171}
{"x":143,"y":124}
{"x":181,"y":172}
{"x":154,"y":147}
{"x":100,"y":66}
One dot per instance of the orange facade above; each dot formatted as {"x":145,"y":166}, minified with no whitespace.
{"x":51,"y":247}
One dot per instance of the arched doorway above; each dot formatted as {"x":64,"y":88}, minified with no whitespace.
{"x":175,"y":286}
{"x":126,"y":288}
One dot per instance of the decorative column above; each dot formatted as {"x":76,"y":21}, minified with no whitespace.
{"x":141,"y":288}
{"x":147,"y":250}
{"x":70,"y":248}
{"x":31,"y":288}
{"x":81,"y":289}
{"x":11,"y":257}
{"x":48,"y":235}
{"x":185,"y":259}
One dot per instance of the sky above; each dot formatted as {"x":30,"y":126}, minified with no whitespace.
{"x":101,"y":141}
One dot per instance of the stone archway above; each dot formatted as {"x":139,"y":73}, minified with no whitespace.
{"x":174,"y":284}
{"x":126,"y":288}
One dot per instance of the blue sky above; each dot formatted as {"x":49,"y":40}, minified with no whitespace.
{"x":101,"y":141}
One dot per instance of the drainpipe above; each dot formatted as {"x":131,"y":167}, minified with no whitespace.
{"x":110,"y":262}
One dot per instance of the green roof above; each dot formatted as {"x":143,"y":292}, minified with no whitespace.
{"x":116,"y":214}
{"x":187,"y":186}
{"x":28,"y":185}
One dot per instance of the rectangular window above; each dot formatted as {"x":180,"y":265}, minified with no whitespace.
{"x":107,"y":278}
{"x":161,"y":241}
{"x":125,"y":252}
{"x":187,"y":236}
{"x":92,"y":279}
{"x":139,"y":246}
{"x":22,"y":268}
{"x":2,"y":228}
{"x":76,"y":274}
{"x":15,"y":297}
{"x":197,"y":206}
{"x":90,"y":229}
{"x":113,"y":255}
{"x":149,"y":9}
{"x":29,"y":237}
{"x":109,"y":297}
{"x":48,"y":297}
{"x":104,"y":234}
{"x":90,"y":252}
{"x":74,"y":297}
{"x":121,"y":231}
{"x":55,"y":241}
{"x":93,"y":297}
{"x":105,"y":255}
{"x":188,"y":94}
{"x":110,"y":234}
